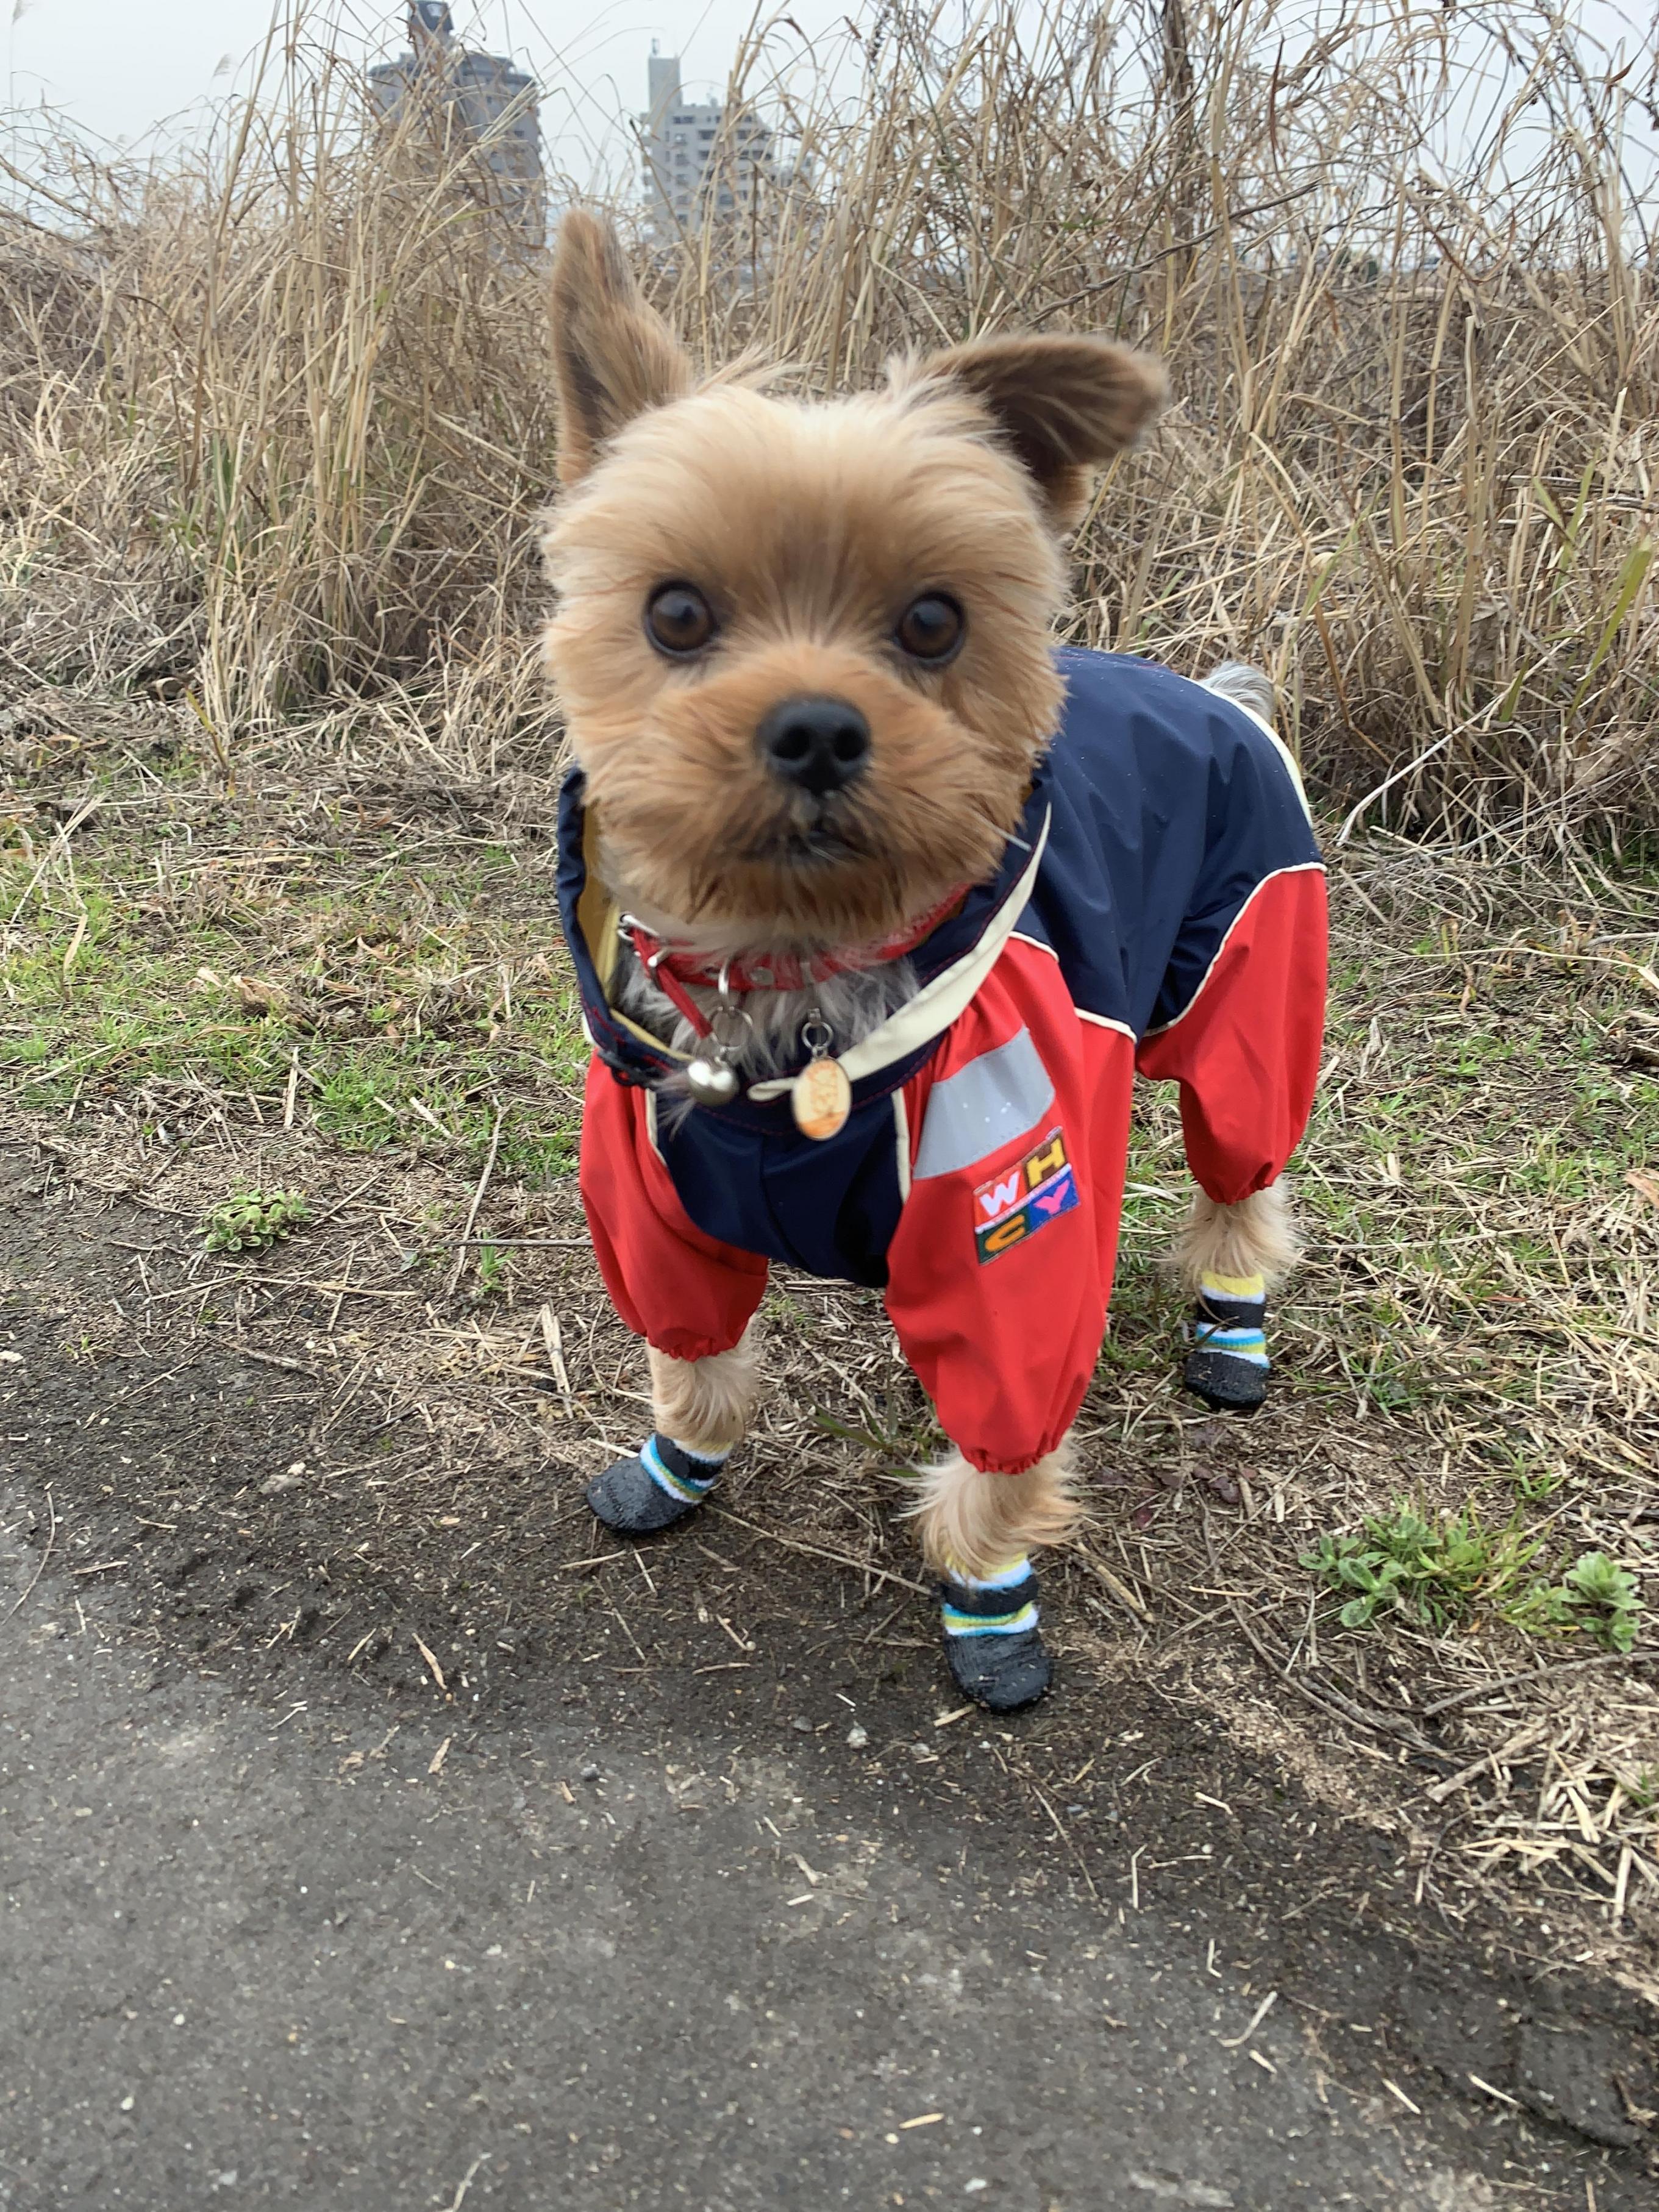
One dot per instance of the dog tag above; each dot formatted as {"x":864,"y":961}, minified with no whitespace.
{"x":711,"y":1076}
{"x":823,"y":1097}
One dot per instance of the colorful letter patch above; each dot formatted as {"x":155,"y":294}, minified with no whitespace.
{"x":1023,"y":1199}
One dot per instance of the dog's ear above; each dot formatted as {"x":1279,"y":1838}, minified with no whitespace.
{"x":1064,"y":405}
{"x":613,"y":356}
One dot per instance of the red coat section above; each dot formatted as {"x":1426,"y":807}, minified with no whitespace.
{"x":1000,"y":1306}
{"x":683,"y":1292}
{"x":1246,"y":1051}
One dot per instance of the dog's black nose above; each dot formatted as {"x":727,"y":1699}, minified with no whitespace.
{"x":819,"y":745}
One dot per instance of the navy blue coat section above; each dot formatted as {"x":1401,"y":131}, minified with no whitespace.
{"x":1169,"y":807}
{"x":828,"y":1205}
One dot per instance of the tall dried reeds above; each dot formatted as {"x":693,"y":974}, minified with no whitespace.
{"x":274,"y":420}
{"x":274,"y":417}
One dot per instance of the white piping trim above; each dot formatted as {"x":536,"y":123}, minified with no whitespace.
{"x":1299,"y":868}
{"x":650,"y":1121}
{"x":1101,"y":1021}
{"x":901,"y":1139}
{"x":1284,"y":752}
{"x":932,"y":1011}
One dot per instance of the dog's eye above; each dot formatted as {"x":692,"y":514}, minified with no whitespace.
{"x":931,"y":627}
{"x":678,"y":620}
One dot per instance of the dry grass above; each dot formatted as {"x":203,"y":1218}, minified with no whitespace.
{"x":274,"y":420}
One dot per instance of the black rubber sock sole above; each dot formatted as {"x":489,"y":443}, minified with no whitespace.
{"x":1001,"y":1673}
{"x":627,"y":1499}
{"x":1226,"y":1384}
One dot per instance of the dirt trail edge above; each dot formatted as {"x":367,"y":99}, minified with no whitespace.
{"x":566,"y":1925}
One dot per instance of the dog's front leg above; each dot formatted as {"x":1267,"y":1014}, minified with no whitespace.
{"x":700,"y":1408}
{"x":705,"y":1405}
{"x":978,"y":1531}
{"x":1227,"y":1256}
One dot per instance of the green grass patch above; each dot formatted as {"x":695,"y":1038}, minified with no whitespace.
{"x":402,"y":1005}
{"x":1438,"y":1571}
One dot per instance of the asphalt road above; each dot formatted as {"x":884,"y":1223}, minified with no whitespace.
{"x":291,"y":1955}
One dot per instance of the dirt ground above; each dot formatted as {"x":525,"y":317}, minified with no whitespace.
{"x":358,"y":1457}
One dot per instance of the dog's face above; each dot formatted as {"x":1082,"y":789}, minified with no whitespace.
{"x":803,"y":648}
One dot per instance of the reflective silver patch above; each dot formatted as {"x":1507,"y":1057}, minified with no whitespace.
{"x":982,"y":1107}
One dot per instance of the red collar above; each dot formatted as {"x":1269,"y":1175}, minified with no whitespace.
{"x":672,"y":967}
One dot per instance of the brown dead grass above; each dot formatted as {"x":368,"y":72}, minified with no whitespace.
{"x":274,"y":418}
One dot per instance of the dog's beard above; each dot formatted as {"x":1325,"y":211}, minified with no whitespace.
{"x":786,"y":874}
{"x":829,"y":836}
{"x":839,"y":834}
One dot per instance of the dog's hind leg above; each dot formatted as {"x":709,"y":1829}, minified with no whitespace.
{"x":1228,"y":1255}
{"x":702,"y":1409}
{"x":1245,"y":1048}
{"x":977,"y":1532}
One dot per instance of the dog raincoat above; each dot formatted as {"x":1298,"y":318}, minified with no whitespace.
{"x":1161,"y":910}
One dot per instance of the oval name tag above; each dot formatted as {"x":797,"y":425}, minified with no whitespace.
{"x":822,"y":1099}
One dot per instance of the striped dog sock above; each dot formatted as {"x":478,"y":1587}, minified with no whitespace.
{"x":1228,"y":1365}
{"x":991,"y":1636}
{"x":659,"y":1485}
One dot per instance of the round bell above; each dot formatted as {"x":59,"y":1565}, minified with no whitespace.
{"x":711,"y":1082}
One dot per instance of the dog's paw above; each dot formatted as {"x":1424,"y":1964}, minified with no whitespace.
{"x":1227,"y":1365}
{"x":1225,"y":1382}
{"x":658,"y":1486}
{"x":1001,"y":1673}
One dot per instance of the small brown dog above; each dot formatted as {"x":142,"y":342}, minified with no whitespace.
{"x":878,"y":902}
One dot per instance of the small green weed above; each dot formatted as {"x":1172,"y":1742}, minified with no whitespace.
{"x":1437,"y":1571}
{"x":1429,"y":1570}
{"x":897,"y":1453}
{"x":1539,"y":1484}
{"x":253,"y":1220}
{"x":1600,"y":1597}
{"x":492,"y":1270}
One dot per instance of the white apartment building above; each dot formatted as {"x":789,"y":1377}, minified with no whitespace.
{"x":680,"y":141}
{"x":475,"y":102}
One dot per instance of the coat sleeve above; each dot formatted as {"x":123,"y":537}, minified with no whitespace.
{"x":687,"y":1294}
{"x":1245,"y":1048}
{"x":999,"y":1268}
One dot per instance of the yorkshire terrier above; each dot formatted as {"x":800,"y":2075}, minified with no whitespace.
{"x":879,"y":902}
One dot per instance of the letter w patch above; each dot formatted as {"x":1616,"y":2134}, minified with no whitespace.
{"x":994,"y":1199}
{"x":1013,"y":1206}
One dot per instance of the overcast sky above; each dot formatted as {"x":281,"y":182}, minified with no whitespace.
{"x":118,"y":68}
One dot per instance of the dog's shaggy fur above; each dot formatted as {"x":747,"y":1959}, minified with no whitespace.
{"x":809,"y":526}
{"x":1255,"y":1237}
{"x":706,"y":1404}
{"x":973,"y":1523}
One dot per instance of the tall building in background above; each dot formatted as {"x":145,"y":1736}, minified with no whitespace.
{"x":475,"y":100}
{"x":684,"y":183}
